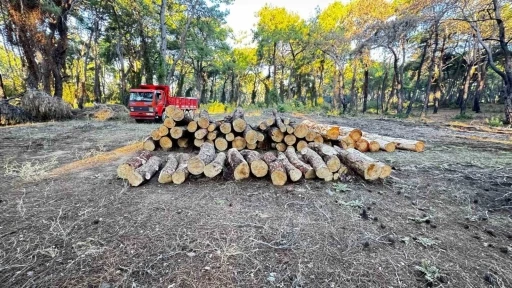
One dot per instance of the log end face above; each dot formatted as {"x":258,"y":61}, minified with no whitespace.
{"x":195,"y":166}
{"x":279,"y":178}
{"x":259,"y":168}
{"x":242,"y":171}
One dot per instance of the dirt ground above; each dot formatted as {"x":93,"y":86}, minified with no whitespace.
{"x":447,"y":211}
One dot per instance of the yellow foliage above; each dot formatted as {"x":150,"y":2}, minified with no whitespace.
{"x":218,"y":108}
{"x":320,"y":100}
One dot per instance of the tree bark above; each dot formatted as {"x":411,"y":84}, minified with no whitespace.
{"x":180,"y":175}
{"x":169,"y":169}
{"x":277,"y":170}
{"x":238,"y":166}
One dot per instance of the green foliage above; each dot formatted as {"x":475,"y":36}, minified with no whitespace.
{"x":340,"y":187}
{"x":430,"y":272}
{"x":494,"y":121}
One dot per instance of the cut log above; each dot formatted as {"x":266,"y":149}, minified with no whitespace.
{"x":328,"y":154}
{"x":385,"y":145}
{"x":330,"y":132}
{"x":343,"y":169}
{"x":262,"y":126}
{"x":183,"y":142}
{"x":201,"y":133}
{"x":276,"y":134}
{"x":276,"y":168}
{"x":238,"y":165}
{"x":374,"y":146}
{"x":281,"y":147}
{"x":230,"y":137}
{"x":192,"y":126}
{"x":279,"y":121}
{"x":336,"y":177}
{"x":250,"y":135}
{"x":287,"y":121}
{"x":204,"y":119}
{"x":221,"y":144}
{"x":215,"y":167}
{"x":319,"y":139}
{"x":289,"y":129}
{"x":133,"y":163}
{"x":300,"y":131}
{"x":205,"y":156}
{"x":401,"y":144}
{"x":209,"y":141}
{"x":169,"y":169}
{"x":293,"y":173}
{"x":177,"y":132}
{"x":175,"y":113}
{"x":163,"y":131}
{"x":149,"y":144}
{"x":213,"y":126}
{"x":180,"y":175}
{"x":385,"y":170}
{"x":239,"y":124}
{"x":146,"y":171}
{"x":155,"y":135}
{"x":362,"y":145}
{"x":363,"y":165}
{"x":225,"y":128}
{"x":165,"y":143}
{"x":169,"y":123}
{"x":321,"y":169}
{"x":212,"y":135}
{"x":252,"y":146}
{"x":198,"y":142}
{"x":260,"y":137}
{"x":270,"y":121}
{"x":347,"y":142}
{"x":310,"y":137}
{"x":301,"y":144}
{"x":290,"y":139}
{"x":258,"y":167}
{"x":353,"y":133}
{"x":306,"y":169}
{"x":239,"y":143}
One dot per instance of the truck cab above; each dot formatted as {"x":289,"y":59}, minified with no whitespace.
{"x":148,"y":102}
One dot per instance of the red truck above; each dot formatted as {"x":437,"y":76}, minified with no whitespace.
{"x":148,"y":102}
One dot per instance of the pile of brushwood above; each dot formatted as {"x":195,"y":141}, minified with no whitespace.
{"x":276,"y":148}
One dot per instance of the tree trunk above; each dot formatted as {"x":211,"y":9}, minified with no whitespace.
{"x":353,"y":87}
{"x":418,"y":78}
{"x":163,"y":44}
{"x":482,"y":73}
{"x":2,"y":90}
{"x":431,"y":69}
{"x":146,"y":171}
{"x":365,"y":88}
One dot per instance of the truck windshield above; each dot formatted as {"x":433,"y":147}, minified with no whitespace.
{"x":141,"y":96}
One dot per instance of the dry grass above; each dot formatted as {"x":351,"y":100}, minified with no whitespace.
{"x":30,"y":170}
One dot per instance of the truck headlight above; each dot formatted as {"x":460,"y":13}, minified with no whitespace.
{"x":131,"y":109}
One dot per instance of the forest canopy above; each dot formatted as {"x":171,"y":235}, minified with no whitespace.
{"x":363,"y":55}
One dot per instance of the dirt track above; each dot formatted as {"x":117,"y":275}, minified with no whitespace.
{"x":88,"y":228}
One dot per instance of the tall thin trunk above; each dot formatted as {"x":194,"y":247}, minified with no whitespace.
{"x":465,"y":88}
{"x":97,"y":65}
{"x":2,"y":91}
{"x":380,"y":103}
{"x":274,"y":64}
{"x":353,"y":87}
{"x":418,"y":78}
{"x":365,"y":88}
{"x":163,"y":45}
{"x":482,"y":73}
{"x":431,"y":68}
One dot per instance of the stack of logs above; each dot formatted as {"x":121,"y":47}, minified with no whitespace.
{"x":181,"y":129}
{"x":304,"y":151}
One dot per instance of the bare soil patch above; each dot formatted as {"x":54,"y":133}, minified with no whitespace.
{"x":447,"y":208}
